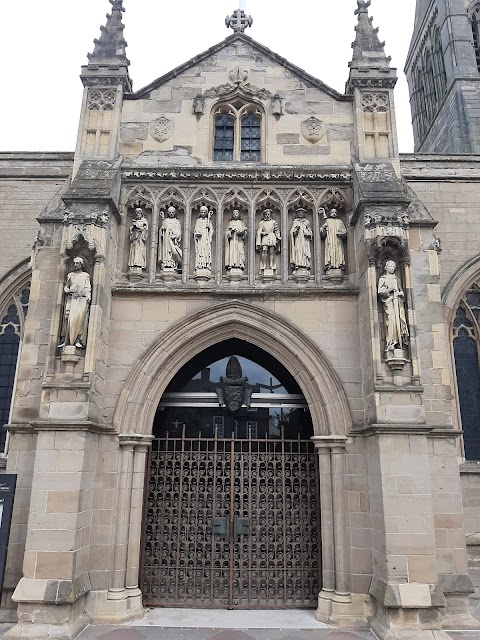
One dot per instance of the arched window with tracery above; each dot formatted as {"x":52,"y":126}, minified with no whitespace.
{"x":11,"y":333}
{"x":439,"y":67}
{"x":466,"y":341}
{"x":419,"y":103}
{"x":237,"y":133}
{"x":475,"y":23}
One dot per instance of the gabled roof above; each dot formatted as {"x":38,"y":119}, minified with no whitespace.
{"x":238,"y":37}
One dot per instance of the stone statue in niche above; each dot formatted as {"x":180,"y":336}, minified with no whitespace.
{"x":392,"y":296}
{"x":235,"y":236}
{"x":334,"y":232}
{"x":203,"y":236}
{"x":300,"y":243}
{"x":268,"y":243}
{"x":77,"y":306}
{"x":137,"y":259}
{"x":170,"y":252}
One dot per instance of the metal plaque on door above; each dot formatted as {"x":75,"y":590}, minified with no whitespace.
{"x":232,"y":523}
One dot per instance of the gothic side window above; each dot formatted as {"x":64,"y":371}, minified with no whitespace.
{"x":11,"y":332}
{"x":224,"y":137}
{"x":475,"y":22}
{"x":237,"y":133}
{"x":250,"y":143}
{"x":466,"y":341}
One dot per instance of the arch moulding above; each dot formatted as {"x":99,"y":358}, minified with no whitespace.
{"x":151,"y":374}
{"x":458,"y":285}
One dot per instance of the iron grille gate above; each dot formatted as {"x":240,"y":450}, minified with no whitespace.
{"x":232,"y":524}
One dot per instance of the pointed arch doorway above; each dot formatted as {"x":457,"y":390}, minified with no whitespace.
{"x":232,"y":514}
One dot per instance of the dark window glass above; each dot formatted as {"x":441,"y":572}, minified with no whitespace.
{"x":10,"y":332}
{"x":468,"y":381}
{"x":250,"y":139}
{"x":476,"y":34}
{"x":224,"y":138}
{"x":9,"y":343}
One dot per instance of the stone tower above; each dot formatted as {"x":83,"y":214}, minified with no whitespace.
{"x":443,"y":75}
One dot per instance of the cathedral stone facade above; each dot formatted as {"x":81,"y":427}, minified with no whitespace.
{"x":239,"y":341}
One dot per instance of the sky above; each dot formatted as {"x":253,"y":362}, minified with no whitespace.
{"x":44,"y":43}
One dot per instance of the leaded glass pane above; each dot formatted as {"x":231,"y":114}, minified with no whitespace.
{"x":9,"y":343}
{"x":250,"y":139}
{"x":224,"y":138}
{"x":468,"y":381}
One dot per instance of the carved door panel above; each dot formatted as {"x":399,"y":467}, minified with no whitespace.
{"x":232,"y":524}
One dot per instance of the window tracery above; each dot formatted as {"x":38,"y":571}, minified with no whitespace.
{"x":429,"y":82}
{"x":11,"y":333}
{"x":475,"y":24}
{"x":237,"y":133}
{"x":466,"y":340}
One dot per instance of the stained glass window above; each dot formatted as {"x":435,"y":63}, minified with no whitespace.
{"x":11,"y":330}
{"x":466,"y":337}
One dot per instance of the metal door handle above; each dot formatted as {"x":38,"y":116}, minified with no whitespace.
{"x":220,"y":526}
{"x":242,"y":526}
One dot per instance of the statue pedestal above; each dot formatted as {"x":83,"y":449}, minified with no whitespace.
{"x":396,"y":359}
{"x":301,"y":275}
{"x":268,"y":275}
{"x":235,"y":275}
{"x":135,"y":274}
{"x":335,"y":276}
{"x":169,"y":274}
{"x":203,"y":275}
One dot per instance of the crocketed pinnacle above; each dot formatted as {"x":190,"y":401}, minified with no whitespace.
{"x":369,"y":61}
{"x":110,"y":49}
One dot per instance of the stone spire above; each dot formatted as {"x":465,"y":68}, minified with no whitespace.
{"x":108,"y":64}
{"x":370,"y":67}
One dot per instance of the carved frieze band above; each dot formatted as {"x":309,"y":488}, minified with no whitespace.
{"x":255,"y":175}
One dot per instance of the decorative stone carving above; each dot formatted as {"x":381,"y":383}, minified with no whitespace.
{"x":77,"y":305}
{"x":238,"y":21}
{"x":101,"y":98}
{"x":245,"y":87}
{"x":334,"y":232}
{"x":375,"y":102}
{"x":161,"y":129}
{"x":235,"y":236}
{"x":238,"y":76}
{"x":203,"y":236}
{"x":233,"y":392}
{"x":277,"y":105}
{"x":170,"y":240}
{"x":199,"y":105}
{"x":392,"y":296}
{"x":300,"y":244}
{"x":313,"y":130}
{"x":268,"y":244}
{"x":282,"y":174}
{"x":137,"y":259}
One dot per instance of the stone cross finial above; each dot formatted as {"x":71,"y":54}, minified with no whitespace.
{"x":362,"y":6}
{"x":238,"y":21}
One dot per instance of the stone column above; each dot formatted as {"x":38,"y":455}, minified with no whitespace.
{"x":124,"y":598}
{"x":135,"y":530}
{"x":51,"y":595}
{"x":334,"y":600}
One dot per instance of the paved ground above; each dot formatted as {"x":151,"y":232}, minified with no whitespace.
{"x":306,"y":628}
